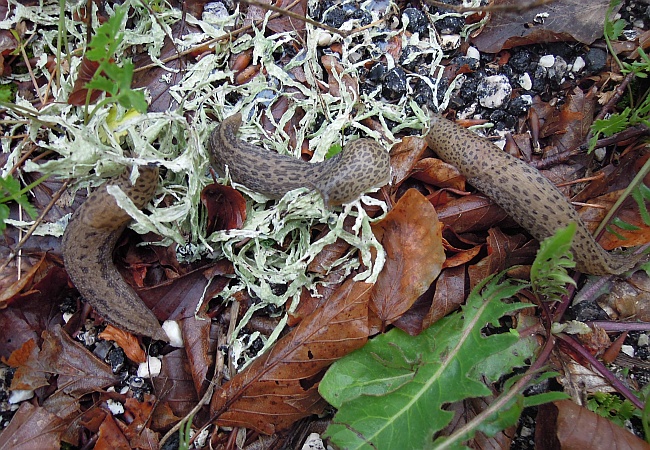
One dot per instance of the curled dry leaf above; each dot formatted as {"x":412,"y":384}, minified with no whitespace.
{"x":86,"y":72}
{"x":438,"y":173}
{"x":563,"y":424}
{"x":335,"y":73}
{"x":412,"y":237}
{"x":281,"y":386}
{"x":127,"y":342}
{"x":225,"y":206}
{"x":561,"y":20}
{"x":22,"y":434}
{"x":403,"y":157}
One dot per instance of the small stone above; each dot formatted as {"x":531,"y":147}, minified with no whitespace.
{"x":335,"y":18}
{"x":525,"y":81}
{"x":578,"y":65}
{"x":417,"y":21}
{"x":450,"y":41}
{"x":473,"y":53}
{"x":494,"y":91}
{"x":547,"y":61}
{"x":150,"y":368}
{"x":595,"y":59}
{"x":395,"y":83}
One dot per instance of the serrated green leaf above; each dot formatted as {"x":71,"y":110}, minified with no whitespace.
{"x":623,"y":225}
{"x":548,"y":274}
{"x":613,"y":124}
{"x":640,"y":195}
{"x":391,"y":392}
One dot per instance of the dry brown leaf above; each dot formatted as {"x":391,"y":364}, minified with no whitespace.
{"x":629,"y":213}
{"x":438,"y":173}
{"x":565,"y":425}
{"x":403,"y":157}
{"x":22,"y":434}
{"x":110,"y":436}
{"x":281,"y":386}
{"x":226,"y":208}
{"x":450,"y":294}
{"x":175,"y":384}
{"x":567,"y":20}
{"x":471,"y":213}
{"x":412,"y":237}
{"x":127,"y":342}
{"x":30,"y":374}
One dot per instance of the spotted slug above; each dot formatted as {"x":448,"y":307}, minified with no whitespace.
{"x":88,"y":244}
{"x":523,"y":192}
{"x":363,"y":164}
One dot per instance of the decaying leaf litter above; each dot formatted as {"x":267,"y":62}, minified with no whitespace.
{"x":276,"y":261}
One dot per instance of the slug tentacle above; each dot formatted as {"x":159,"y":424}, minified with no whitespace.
{"x":522,"y":191}
{"x":88,"y":244}
{"x":362,"y":165}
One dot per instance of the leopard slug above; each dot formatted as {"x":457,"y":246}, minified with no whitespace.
{"x":523,"y":192}
{"x":363,"y":164}
{"x":88,"y":244}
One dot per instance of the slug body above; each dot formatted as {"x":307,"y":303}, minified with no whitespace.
{"x":522,"y":191}
{"x":363,"y":164}
{"x":88,"y":244}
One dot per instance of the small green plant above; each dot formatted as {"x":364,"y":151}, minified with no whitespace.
{"x":11,"y":191}
{"x":109,"y":77}
{"x":548,"y":275}
{"x":391,"y":393}
{"x":618,"y":122}
{"x":612,"y":407}
{"x":185,"y":434}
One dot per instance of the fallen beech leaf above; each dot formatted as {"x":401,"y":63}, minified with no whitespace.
{"x":281,"y":386}
{"x":86,"y":72}
{"x":196,"y":337}
{"x":412,"y":237}
{"x":570,"y":127}
{"x":471,"y":213}
{"x":450,"y":294}
{"x":127,"y":342}
{"x":78,"y":372}
{"x":337,"y":78}
{"x":175,"y":383}
{"x":110,"y":436}
{"x":566,"y":20}
{"x":30,"y":373}
{"x":628,"y":213}
{"x":226,"y":207}
{"x":31,"y":428}
{"x":563,"y":424}
{"x":403,"y":157}
{"x":438,"y":173}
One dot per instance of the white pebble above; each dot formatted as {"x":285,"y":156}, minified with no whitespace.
{"x":643,"y":340}
{"x":628,"y":350}
{"x":150,"y":368}
{"x":473,"y":53}
{"x":313,"y":442}
{"x":19,"y":395}
{"x":449,"y":41}
{"x":115,"y":407}
{"x":525,"y":81}
{"x":547,"y":61}
{"x":493,"y":91}
{"x":578,"y":64}
{"x":173,"y":331}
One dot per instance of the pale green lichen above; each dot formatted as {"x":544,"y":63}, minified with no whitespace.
{"x":279,"y":244}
